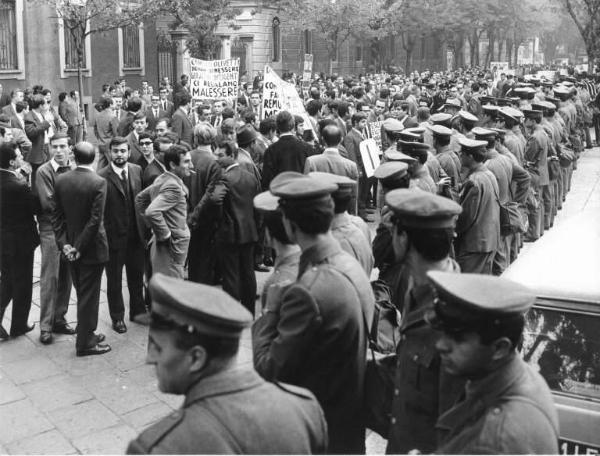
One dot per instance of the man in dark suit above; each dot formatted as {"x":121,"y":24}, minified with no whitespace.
{"x":164,"y":103}
{"x":180,"y":122}
{"x":237,"y":234}
{"x":125,"y":247}
{"x":244,"y":98}
{"x":287,"y":154}
{"x":134,"y":105}
{"x":133,"y":138}
{"x":217,"y":118}
{"x":18,"y":240}
{"x":352,"y":144}
{"x":154,"y":112}
{"x":78,"y":223}
{"x":71,"y":113}
{"x":10,"y":109}
{"x":37,"y":129}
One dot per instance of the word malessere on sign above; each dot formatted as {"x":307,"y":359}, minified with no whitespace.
{"x":216,"y":79}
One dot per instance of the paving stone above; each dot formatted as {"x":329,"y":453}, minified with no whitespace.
{"x":9,"y":392}
{"x":126,"y":356}
{"x":62,"y":352}
{"x":143,"y":417}
{"x":108,"y":441}
{"x":123,"y":396}
{"x":82,"y":419}
{"x":56,"y":392}
{"x":51,"y":442}
{"x":21,"y":419}
{"x":16,"y":349}
{"x":145,"y":377}
{"x":27,"y":370}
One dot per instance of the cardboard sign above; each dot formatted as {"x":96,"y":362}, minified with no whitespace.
{"x":369,"y":152}
{"x":374,"y":131}
{"x":214,"y":79}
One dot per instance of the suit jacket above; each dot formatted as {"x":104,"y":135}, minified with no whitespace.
{"x":126,"y":123}
{"x":135,"y":151}
{"x":152,"y":171}
{"x":152,"y":119}
{"x":78,"y":220}
{"x":287,"y":154}
{"x":35,"y":130}
{"x":18,"y":231}
{"x":330,"y":161}
{"x":163,"y":207}
{"x":105,"y":126}
{"x":69,"y":111}
{"x":9,"y":110}
{"x":168,"y":107}
{"x":208,"y":173}
{"x":352,"y":144}
{"x":182,"y":125}
{"x":119,"y":213}
{"x":235,"y":194}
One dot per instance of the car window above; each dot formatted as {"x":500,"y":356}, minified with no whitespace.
{"x":565,"y":348}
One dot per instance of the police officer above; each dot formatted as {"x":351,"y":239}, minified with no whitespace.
{"x":316,"y":335}
{"x":507,"y":408}
{"x":446,"y":156}
{"x":193,"y":343}
{"x":422,"y":237}
{"x":478,"y":226}
{"x":419,"y":173}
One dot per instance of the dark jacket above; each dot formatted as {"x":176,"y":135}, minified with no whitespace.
{"x":78,"y":219}
{"x":207,"y":175}
{"x":119,"y":213}
{"x":182,"y":125}
{"x":235,"y":194}
{"x":151,"y":119}
{"x":18,"y":230}
{"x":35,"y":130}
{"x":316,"y":337}
{"x":287,"y":154}
{"x":237,"y":412}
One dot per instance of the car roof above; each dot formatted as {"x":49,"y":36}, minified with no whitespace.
{"x":565,"y":263}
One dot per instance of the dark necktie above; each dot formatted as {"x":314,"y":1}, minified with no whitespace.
{"x":124,"y":182}
{"x":63,"y":169}
{"x":164,"y":103}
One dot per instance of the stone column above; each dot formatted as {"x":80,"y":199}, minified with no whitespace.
{"x":181,"y":58}
{"x":225,"y":47}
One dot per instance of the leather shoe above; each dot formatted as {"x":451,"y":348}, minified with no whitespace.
{"x":141,"y":319}
{"x":3,"y":333}
{"x":261,"y":268}
{"x":46,"y":337}
{"x":268,"y":262}
{"x":119,"y":326}
{"x":98,"y":349}
{"x":64,"y":329}
{"x":25,"y":330}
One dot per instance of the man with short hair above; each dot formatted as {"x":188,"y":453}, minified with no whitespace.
{"x":134,"y":105}
{"x":72,"y":115}
{"x":55,"y":276}
{"x":180,"y":121}
{"x":39,"y":131}
{"x":163,"y":206}
{"x":105,"y":126}
{"x":133,"y":139}
{"x":80,"y":196}
{"x":352,"y":145}
{"x":315,"y":335}
{"x":193,"y":342}
{"x":154,"y":112}
{"x":125,"y":246}
{"x":146,"y":144}
{"x":217,"y":118}
{"x":18,"y":241}
{"x":165,"y":104}
{"x":16,"y":96}
{"x":508,"y":407}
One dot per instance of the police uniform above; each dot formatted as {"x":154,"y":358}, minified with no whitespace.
{"x":509,"y":410}
{"x":233,"y":411}
{"x":421,"y":390}
{"x":419,"y":173}
{"x":316,"y":336}
{"x":478,"y":226}
{"x":448,"y":158}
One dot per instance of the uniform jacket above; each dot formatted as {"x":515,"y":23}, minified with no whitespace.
{"x":451,"y":165}
{"x":330,"y":161}
{"x":352,"y":144}
{"x":287,"y":154}
{"x":436,"y":171}
{"x":316,"y":337}
{"x":78,"y":220}
{"x":118,"y":211}
{"x":182,"y":125}
{"x":478,"y":226}
{"x":163,"y":207}
{"x":501,"y":168}
{"x":352,"y":239}
{"x":536,"y":155}
{"x":285,"y":271}
{"x":237,"y":412}
{"x":511,"y":411}
{"x":515,"y":144}
{"x":18,"y":230}
{"x":235,"y":193}
{"x":424,"y":389}
{"x":422,"y":179}
{"x":36,"y":132}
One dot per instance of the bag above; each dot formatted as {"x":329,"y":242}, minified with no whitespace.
{"x":385,"y":329}
{"x":379,"y":393}
{"x":514,"y":219}
{"x":565,"y":156}
{"x":553,"y":168}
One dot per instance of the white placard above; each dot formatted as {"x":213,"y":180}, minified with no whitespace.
{"x":214,"y":79}
{"x":369,"y":152}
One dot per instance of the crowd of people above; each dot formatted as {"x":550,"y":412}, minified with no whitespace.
{"x":171,"y":188}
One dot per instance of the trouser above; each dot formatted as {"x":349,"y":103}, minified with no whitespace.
{"x":363,"y":195}
{"x":536,"y":216}
{"x":558,"y":190}
{"x":34,"y":168}
{"x":588,"y":137}
{"x":86,"y":280}
{"x":169,"y":257}
{"x":515,"y":246}
{"x":16,"y":277}
{"x":55,"y":284}
{"x":132,"y":258}
{"x":476,"y":262}
{"x":259,"y":247}
{"x":103,"y":156}
{"x":597,"y":128}
{"x":502,"y":256}
{"x":237,"y":269}
{"x":75,"y":132}
{"x":202,"y":257}
{"x":548,"y":199}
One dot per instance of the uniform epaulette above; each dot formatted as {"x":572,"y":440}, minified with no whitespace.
{"x":310,"y":276}
{"x":155,"y":433}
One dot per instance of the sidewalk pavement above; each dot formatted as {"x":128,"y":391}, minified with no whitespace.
{"x":52,"y":402}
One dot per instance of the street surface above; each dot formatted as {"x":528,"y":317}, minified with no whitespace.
{"x":53,"y":402}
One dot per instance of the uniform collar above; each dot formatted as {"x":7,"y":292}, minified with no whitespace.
{"x":318,"y":253}
{"x":225,"y":382}
{"x":290,"y":258}
{"x":340,"y":220}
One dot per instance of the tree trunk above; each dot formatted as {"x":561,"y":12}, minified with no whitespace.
{"x":80,"y":43}
{"x":459,"y":45}
{"x":509,"y":48}
{"x":500,"y":48}
{"x":490,"y":49}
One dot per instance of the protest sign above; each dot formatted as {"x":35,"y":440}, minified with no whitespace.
{"x":214,"y":79}
{"x":307,"y":73}
{"x":374,"y":131}
{"x":369,"y":152}
{"x":279,"y":95}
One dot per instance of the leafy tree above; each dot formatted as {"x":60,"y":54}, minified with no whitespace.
{"x":83,"y":18}
{"x":586,"y":15}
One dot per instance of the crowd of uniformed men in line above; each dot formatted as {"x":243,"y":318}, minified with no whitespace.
{"x":461,"y":186}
